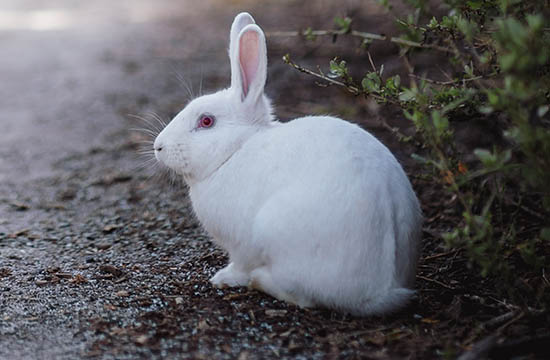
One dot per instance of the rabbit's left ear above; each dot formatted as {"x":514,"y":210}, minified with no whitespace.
{"x":239,"y":23}
{"x":249,"y":64}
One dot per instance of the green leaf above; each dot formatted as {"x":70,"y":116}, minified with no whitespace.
{"x":449,"y":22}
{"x":508,"y":61}
{"x":469,"y":70}
{"x":343,"y":24}
{"x":493,"y":98}
{"x":407,"y":95}
{"x":308,"y":33}
{"x":419,"y":158}
{"x":474,"y":4}
{"x":369,"y":85}
{"x":337,"y":69}
{"x":486,"y":157}
{"x":493,"y":159}
{"x":468,"y":28}
{"x":392,"y":84}
{"x":440,"y":122}
{"x":485,"y":110}
{"x":535,"y":22}
{"x":371,"y":82}
{"x":365,"y":43}
{"x":397,"y":81}
{"x":433,"y":23}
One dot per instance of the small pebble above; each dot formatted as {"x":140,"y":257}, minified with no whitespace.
{"x":122,"y":293}
{"x":275,"y":312}
{"x":103,"y":245}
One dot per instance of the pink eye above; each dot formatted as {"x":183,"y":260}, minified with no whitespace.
{"x":206,"y":121}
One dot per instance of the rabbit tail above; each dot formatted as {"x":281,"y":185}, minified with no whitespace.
{"x":394,"y":299}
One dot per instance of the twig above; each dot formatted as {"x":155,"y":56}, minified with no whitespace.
{"x":351,"y":88}
{"x":410,"y":69}
{"x":519,"y":316}
{"x":361,"y":34}
{"x":394,"y":130}
{"x":444,"y":82}
{"x":524,"y":208}
{"x":354,"y":90}
{"x":364,"y":332}
{"x":500,"y":319}
{"x":371,"y":62}
{"x":439,"y":255}
{"x":433,"y":233}
{"x":435,"y":281}
{"x":444,"y":73}
{"x":481,"y":349}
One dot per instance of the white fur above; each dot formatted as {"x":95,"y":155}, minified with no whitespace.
{"x":316,"y":211}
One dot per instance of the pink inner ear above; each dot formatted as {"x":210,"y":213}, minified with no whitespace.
{"x":249,"y":58}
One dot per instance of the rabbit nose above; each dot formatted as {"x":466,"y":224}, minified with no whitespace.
{"x":157,"y":146}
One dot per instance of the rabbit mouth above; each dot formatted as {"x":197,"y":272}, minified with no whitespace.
{"x":175,"y":158}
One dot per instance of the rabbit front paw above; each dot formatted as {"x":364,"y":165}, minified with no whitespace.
{"x":229,"y":276}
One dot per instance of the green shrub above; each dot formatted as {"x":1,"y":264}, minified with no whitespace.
{"x":498,"y":52}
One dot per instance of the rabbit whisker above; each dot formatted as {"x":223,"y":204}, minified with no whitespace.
{"x":184,"y":83}
{"x":148,"y":166}
{"x":158,"y":119}
{"x":145,"y":131}
{"x":144,"y":142}
{"x":151,"y":126}
{"x":200,"y":84}
{"x":146,"y":152}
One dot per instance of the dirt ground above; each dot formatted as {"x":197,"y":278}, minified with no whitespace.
{"x":100,"y":256}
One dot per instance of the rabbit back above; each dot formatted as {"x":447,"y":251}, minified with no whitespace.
{"x":321,"y":202}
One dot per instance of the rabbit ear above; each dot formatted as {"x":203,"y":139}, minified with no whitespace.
{"x":239,"y":23}
{"x":251,"y":58}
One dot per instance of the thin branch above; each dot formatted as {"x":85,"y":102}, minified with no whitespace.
{"x":360,"y":34}
{"x":353,"y":89}
{"x":350,"y":87}
{"x":435,"y":256}
{"x":410,"y":69}
{"x":371,"y":62}
{"x":435,"y":281}
{"x":510,"y":322}
{"x":500,"y":319}
{"x":392,"y":129}
{"x":445,"y":82}
{"x":524,"y":208}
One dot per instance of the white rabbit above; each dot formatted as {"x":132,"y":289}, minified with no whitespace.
{"x":316,"y":211}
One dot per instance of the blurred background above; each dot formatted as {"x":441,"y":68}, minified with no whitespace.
{"x":71,"y":71}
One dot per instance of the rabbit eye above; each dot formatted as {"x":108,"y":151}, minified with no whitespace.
{"x":206,"y":121}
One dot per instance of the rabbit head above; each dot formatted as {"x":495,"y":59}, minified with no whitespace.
{"x":208,"y":131}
